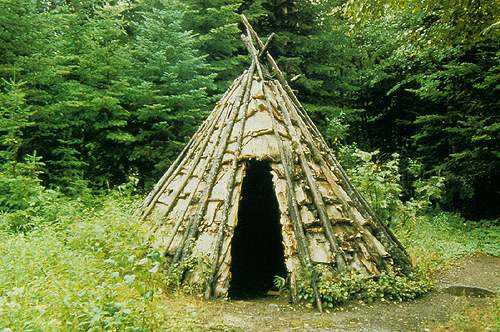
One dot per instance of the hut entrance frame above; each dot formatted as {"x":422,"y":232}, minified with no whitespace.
{"x":257,"y":253}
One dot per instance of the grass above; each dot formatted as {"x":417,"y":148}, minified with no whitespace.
{"x":91,"y":273}
{"x":435,"y":241}
{"x":90,"y":269}
{"x":474,"y":319}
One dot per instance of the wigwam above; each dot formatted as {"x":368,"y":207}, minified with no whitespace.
{"x":258,"y":193}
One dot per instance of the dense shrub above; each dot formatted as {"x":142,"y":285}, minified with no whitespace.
{"x":379,"y":181}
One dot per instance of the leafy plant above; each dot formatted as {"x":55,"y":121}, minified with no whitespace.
{"x":380,"y":183}
{"x":336,"y":289}
{"x":280,"y":283}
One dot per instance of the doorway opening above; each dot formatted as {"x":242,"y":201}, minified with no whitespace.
{"x":256,"y":248}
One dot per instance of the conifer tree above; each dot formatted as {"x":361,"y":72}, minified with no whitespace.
{"x":217,"y":35}
{"x":170,"y":90}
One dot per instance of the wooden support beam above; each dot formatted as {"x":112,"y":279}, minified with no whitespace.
{"x":316,"y":195}
{"x":263,"y":50}
{"x":247,"y":40}
{"x":192,"y":229}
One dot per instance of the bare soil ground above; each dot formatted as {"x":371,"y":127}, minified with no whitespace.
{"x":275,"y":314}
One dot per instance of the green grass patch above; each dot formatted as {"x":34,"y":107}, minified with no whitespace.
{"x":91,"y":273}
{"x":435,"y":241}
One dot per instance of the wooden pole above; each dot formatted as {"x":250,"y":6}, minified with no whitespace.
{"x":266,"y":45}
{"x":385,"y":235}
{"x":188,"y":151}
{"x":192,"y":229}
{"x":316,"y":195}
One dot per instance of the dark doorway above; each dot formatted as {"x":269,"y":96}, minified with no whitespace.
{"x":257,"y":250}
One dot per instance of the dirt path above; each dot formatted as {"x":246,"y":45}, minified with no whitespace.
{"x":274,"y":314}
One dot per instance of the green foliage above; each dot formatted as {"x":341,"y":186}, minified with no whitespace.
{"x":170,"y":84}
{"x":280,"y":283}
{"x":380,"y":183}
{"x":336,"y":289}
{"x":14,"y":119}
{"x":449,"y":235}
{"x":215,"y":24}
{"x":432,"y":92}
{"x":27,"y":205}
{"x":105,"y":91}
{"x":90,"y":271}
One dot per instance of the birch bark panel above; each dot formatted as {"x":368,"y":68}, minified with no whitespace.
{"x":258,"y":122}
{"x":261,"y":147}
{"x":287,"y":231}
{"x":223,"y":276}
{"x":319,"y":248}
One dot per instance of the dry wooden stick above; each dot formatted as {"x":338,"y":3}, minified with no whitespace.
{"x":293,"y":209}
{"x":189,"y":173}
{"x":317,"y":197}
{"x":194,"y":222}
{"x":179,"y":162}
{"x":266,"y":45}
{"x":247,"y":40}
{"x":340,"y":174}
{"x":294,"y":212}
{"x":387,"y":237}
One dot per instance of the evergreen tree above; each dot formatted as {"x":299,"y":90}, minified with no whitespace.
{"x":170,"y":90}
{"x":215,"y":24}
{"x":77,"y":82}
{"x":433,"y":79}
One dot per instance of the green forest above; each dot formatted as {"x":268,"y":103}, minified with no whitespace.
{"x":98,"y":98}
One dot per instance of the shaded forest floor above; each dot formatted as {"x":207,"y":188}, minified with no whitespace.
{"x":431,"y":312}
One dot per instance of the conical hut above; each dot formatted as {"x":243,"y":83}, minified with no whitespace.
{"x":257,"y":193}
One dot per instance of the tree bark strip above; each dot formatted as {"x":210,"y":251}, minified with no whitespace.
{"x":316,"y":195}
{"x":191,"y":148}
{"x":192,"y":229}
